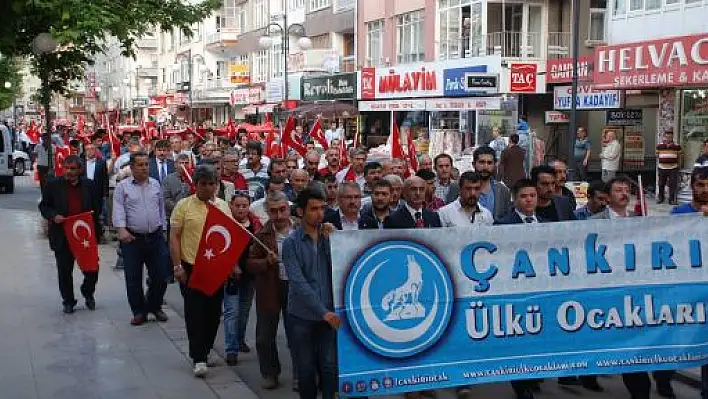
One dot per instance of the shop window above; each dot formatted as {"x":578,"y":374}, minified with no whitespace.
{"x":374,"y":43}
{"x":409,"y":35}
{"x":671,"y":2}
{"x":636,"y":5}
{"x":652,"y":5}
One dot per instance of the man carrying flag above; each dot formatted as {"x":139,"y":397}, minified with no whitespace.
{"x":63,"y":198}
{"x":205,"y":241}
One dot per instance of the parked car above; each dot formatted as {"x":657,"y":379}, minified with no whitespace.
{"x":7,"y":177}
{"x":21,"y":162}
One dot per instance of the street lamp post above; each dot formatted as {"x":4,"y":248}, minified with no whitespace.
{"x":303,"y":43}
{"x":42,"y":45}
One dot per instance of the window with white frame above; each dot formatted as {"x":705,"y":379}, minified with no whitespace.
{"x":374,"y":42}
{"x":409,"y":36}
{"x":636,"y":5}
{"x":260,"y":13}
{"x":319,"y":4}
{"x":277,"y":61}
{"x":619,"y":7}
{"x":598,"y":11}
{"x":221,"y":70}
{"x":296,"y":4}
{"x":228,"y":13}
{"x":692,"y":1}
{"x":672,"y":2}
{"x":259,"y":68}
{"x":241,"y":26}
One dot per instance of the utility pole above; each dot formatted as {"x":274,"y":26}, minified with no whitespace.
{"x":572,"y":167}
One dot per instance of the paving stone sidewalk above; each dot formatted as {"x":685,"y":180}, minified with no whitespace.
{"x":87,"y":355}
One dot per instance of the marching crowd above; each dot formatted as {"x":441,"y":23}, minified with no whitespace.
{"x":292,"y":206}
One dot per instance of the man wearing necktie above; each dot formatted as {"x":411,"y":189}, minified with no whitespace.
{"x":413,"y":215}
{"x":161,"y":164}
{"x":524,"y":212}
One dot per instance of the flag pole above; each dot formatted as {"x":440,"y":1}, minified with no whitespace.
{"x":256,"y":239}
{"x":643,"y":203}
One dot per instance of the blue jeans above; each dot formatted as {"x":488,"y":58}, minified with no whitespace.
{"x":236,"y":311}
{"x":149,"y":250}
{"x":231,"y":320}
{"x":314,"y":344}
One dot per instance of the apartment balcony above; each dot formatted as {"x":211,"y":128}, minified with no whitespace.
{"x":146,"y":43}
{"x":222,"y":38}
{"x":515,"y":45}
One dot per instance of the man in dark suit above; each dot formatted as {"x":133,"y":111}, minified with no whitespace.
{"x":525,"y":203}
{"x":551,"y":207}
{"x":347,"y":216}
{"x":162,"y":164}
{"x":64,"y":196}
{"x":413,"y":214}
{"x":511,"y":163}
{"x":523,"y":212}
{"x":96,"y":170}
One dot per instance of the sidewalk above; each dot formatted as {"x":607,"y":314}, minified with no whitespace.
{"x":86,"y":355}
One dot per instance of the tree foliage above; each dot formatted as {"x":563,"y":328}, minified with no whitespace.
{"x":82,"y":28}
{"x":9,"y":72}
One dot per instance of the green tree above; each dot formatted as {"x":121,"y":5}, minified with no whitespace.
{"x":81,"y":29}
{"x":9,"y":73}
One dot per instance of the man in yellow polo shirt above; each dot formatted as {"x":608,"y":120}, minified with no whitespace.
{"x":202,"y":313}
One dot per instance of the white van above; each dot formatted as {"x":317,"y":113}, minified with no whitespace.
{"x":7,"y":164}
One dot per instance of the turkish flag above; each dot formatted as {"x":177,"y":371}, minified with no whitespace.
{"x":413,"y":159}
{"x":288,"y":139}
{"x":318,"y":134}
{"x":222,"y":243}
{"x":81,"y":236}
{"x":343,"y":155}
{"x":231,"y":129}
{"x":33,"y":132}
{"x":269,"y":143}
{"x":60,"y":154}
{"x":396,"y":147}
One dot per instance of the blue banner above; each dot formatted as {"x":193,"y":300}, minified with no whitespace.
{"x":437,"y":308}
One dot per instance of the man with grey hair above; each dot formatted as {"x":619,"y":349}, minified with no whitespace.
{"x":176,"y":186}
{"x":271,"y":287}
{"x":312,"y":163}
{"x":426,"y":163}
{"x":298,"y":181}
{"x":413,"y":213}
{"x":396,"y":191}
{"x":229,"y":171}
{"x":347,"y":216}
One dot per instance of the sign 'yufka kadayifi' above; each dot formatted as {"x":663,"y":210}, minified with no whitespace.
{"x":435,"y":308}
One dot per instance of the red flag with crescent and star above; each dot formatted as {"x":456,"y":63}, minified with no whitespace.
{"x":222,"y":244}
{"x":318,"y":134}
{"x":81,"y":236}
{"x":289,"y":140}
{"x":60,"y":154}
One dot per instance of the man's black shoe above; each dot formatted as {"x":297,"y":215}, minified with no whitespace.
{"x":665,"y":391}
{"x":569,"y":381}
{"x":232,"y":359}
{"x":90,"y":303}
{"x":68,"y":309}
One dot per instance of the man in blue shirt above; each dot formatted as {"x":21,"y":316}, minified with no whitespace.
{"x":699,"y":188}
{"x":598,"y":193}
{"x":313,"y":323}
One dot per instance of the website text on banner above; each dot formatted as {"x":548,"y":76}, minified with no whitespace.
{"x":426,"y":309}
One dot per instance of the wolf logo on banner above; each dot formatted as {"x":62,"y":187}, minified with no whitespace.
{"x":402,"y":303}
{"x":412,"y":316}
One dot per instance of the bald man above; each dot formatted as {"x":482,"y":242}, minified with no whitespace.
{"x":413,"y":215}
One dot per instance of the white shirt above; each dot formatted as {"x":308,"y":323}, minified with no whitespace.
{"x":279,"y":238}
{"x":160,"y":164}
{"x":332,"y":134}
{"x":347,"y":225}
{"x":414,"y":211}
{"x":615,"y":215}
{"x":90,"y":168}
{"x":360,"y":180}
{"x":610,"y":155}
{"x":524,"y":216}
{"x":453,"y":215}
